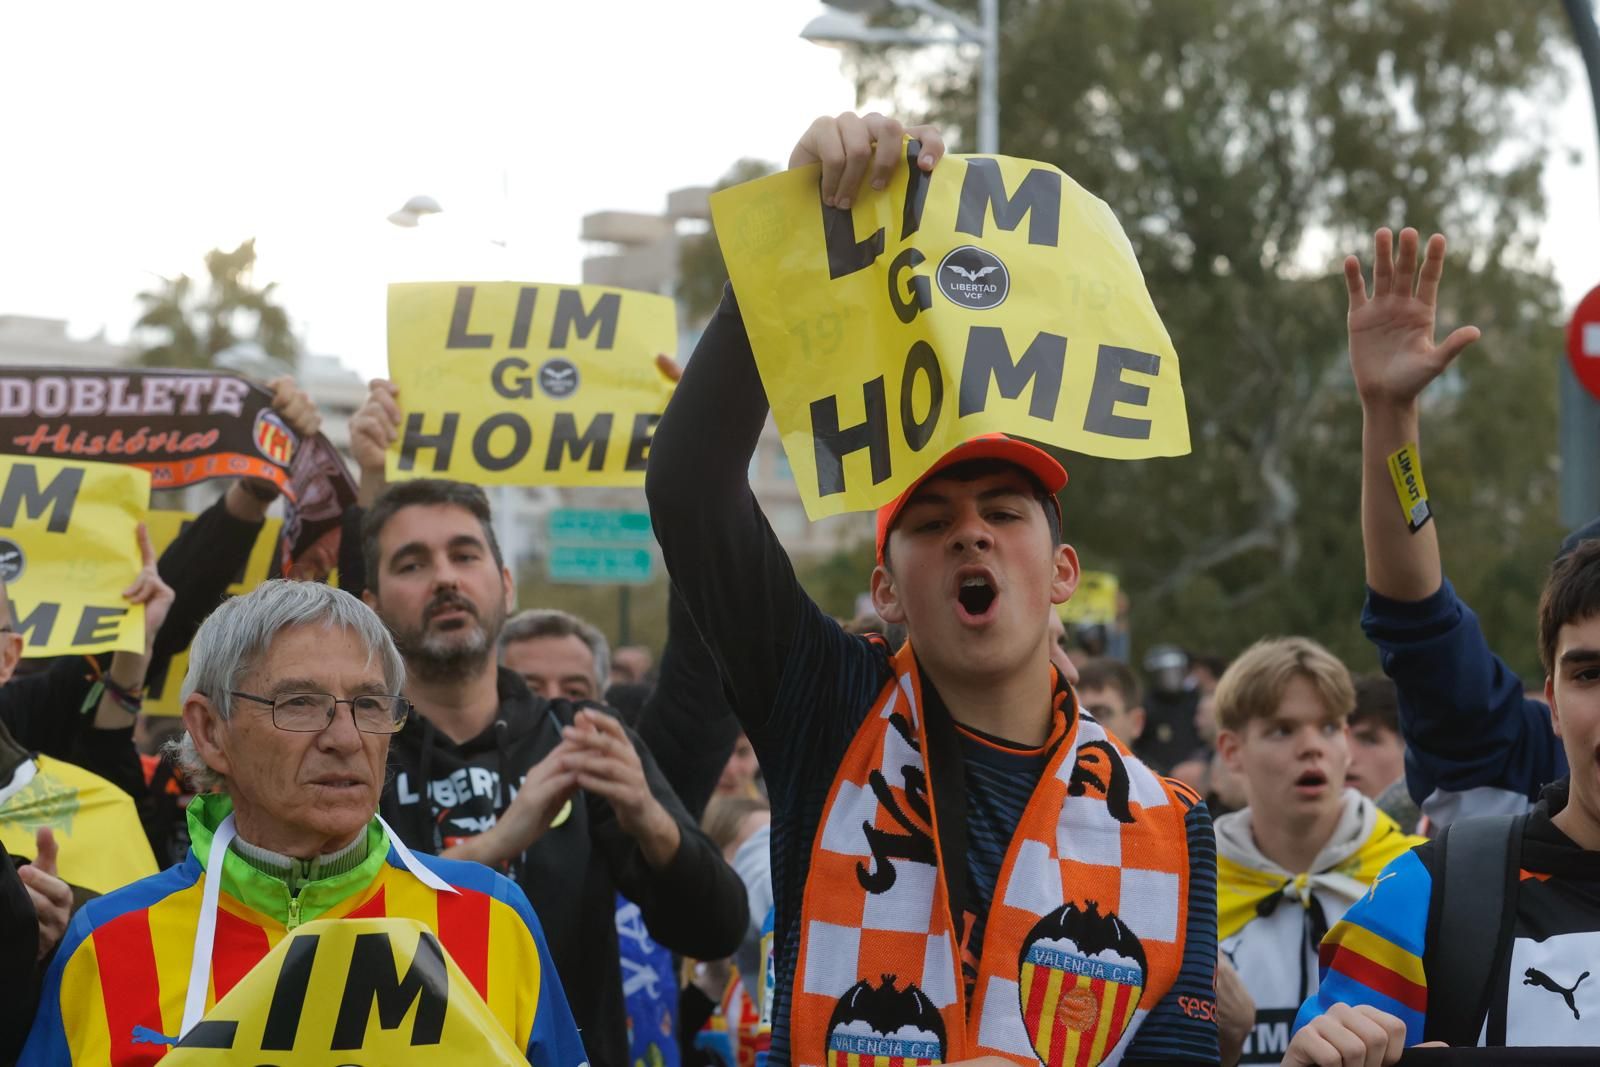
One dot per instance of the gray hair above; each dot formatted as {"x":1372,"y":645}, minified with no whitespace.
{"x":547,"y":622}
{"x":238,"y":633}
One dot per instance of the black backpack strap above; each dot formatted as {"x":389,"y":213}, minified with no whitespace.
{"x":1474,"y":895}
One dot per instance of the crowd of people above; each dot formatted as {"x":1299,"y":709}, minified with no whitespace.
{"x":958,"y":830}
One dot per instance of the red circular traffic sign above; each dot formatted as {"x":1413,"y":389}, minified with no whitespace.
{"x":1583,"y":342}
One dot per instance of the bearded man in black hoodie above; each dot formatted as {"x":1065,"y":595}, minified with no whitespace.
{"x":562,"y":797}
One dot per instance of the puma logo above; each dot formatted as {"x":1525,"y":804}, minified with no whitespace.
{"x":1535,"y":977}
{"x":143,"y":1035}
{"x":1376,"y":882}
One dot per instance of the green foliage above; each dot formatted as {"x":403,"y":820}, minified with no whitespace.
{"x":701,"y":271}
{"x":188,"y":328}
{"x":601,"y":605}
{"x":835,"y":581}
{"x":1246,"y":145}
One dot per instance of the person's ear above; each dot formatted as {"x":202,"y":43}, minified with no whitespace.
{"x":1230,"y":746}
{"x":886,"y":596}
{"x":1135,"y":724}
{"x":1550,"y":698}
{"x":1065,"y":580}
{"x":369,"y":598}
{"x":207,"y":728}
{"x":508,"y":585}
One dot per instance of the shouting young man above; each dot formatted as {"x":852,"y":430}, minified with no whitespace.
{"x":963,"y":865}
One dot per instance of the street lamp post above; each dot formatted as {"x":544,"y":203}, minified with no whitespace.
{"x":847,"y":24}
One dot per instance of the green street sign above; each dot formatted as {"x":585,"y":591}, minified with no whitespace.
{"x":604,"y":564}
{"x":600,"y":526}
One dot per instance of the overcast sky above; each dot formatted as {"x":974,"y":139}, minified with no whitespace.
{"x":136,"y":136}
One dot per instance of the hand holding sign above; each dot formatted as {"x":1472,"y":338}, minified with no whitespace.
{"x":1392,"y":353}
{"x":374,"y":429}
{"x":295,"y":405}
{"x":851,"y":149}
{"x":149,"y":590}
{"x":299,"y":413}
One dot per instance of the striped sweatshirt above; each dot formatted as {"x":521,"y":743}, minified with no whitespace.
{"x":115,"y":991}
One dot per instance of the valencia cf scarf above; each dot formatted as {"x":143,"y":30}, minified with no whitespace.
{"x":1084,"y":933}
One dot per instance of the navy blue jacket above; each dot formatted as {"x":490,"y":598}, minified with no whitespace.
{"x":1474,"y":743}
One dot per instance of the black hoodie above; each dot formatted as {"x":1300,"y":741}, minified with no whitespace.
{"x":696,"y":906}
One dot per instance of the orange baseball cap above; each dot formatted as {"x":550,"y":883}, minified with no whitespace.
{"x":1036,"y":461}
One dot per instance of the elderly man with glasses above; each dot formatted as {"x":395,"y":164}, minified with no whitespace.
{"x":289,"y":704}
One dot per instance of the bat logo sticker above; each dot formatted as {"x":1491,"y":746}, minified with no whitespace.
{"x":973,"y":278}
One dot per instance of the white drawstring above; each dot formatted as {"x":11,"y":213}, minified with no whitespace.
{"x":194,"y":1003}
{"x":425,"y":876}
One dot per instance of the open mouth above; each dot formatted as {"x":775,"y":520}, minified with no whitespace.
{"x":1311,"y":780}
{"x":976,"y":595}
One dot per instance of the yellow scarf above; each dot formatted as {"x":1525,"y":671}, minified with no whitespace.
{"x":1241,"y":889}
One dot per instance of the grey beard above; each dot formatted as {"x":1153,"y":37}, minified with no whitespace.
{"x":435,"y":659}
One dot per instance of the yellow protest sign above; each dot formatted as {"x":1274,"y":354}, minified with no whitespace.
{"x":345,"y":991}
{"x":68,"y":550}
{"x":510,"y":384}
{"x":99,"y":841}
{"x":1094,"y":601}
{"x":164,"y":527}
{"x":994,"y":294}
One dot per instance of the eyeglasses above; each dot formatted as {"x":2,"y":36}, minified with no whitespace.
{"x":310,"y":713}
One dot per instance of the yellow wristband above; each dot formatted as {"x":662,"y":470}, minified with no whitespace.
{"x":1405,"y":470}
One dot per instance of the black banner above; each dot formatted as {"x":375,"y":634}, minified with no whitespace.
{"x":182,"y":426}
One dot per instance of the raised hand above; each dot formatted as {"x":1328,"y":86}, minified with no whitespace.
{"x":249,"y":498}
{"x":148,"y":589}
{"x":1392,"y":352}
{"x":373,"y":428}
{"x":852,"y":147}
{"x":295,"y":405}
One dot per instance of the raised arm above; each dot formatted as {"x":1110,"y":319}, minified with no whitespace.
{"x":1465,"y":720}
{"x":687,"y":723}
{"x":204,"y":559}
{"x":727,"y":564}
{"x":1393,"y":358}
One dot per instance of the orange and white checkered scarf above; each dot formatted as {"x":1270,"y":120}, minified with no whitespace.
{"x":1084,"y":934}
